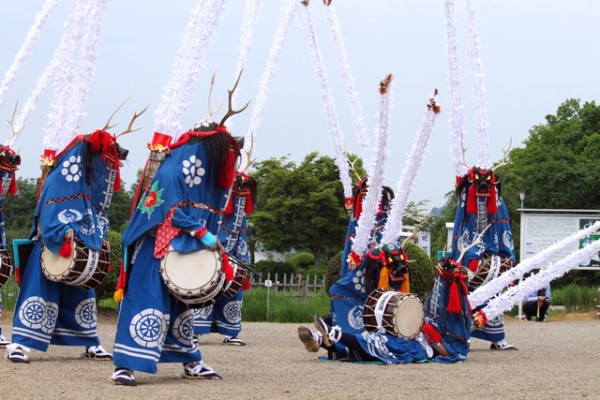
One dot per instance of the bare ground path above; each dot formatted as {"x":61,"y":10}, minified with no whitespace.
{"x":559,"y":359}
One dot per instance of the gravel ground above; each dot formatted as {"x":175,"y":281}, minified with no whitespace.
{"x":556,"y":360}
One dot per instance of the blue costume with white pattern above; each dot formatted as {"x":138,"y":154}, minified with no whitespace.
{"x":184,"y":196}
{"x":225,"y":316}
{"x":75,"y":196}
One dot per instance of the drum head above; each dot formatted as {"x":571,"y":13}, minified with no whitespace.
{"x":55,"y":264}
{"x":192,"y":271}
{"x":409,"y":317}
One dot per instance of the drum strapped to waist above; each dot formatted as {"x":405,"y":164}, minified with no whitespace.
{"x":84,"y":268}
{"x":5,"y":266}
{"x":399,"y":314}
{"x":195,"y":278}
{"x":240,"y":273}
{"x":489,"y":267}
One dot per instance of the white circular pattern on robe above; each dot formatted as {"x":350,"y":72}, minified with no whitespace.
{"x":183,"y":328}
{"x":71,"y":169}
{"x":85,"y":313}
{"x":203,"y":312}
{"x":148,"y":328}
{"x":355,"y":317}
{"x":193,"y":171}
{"x":69,"y":215}
{"x":507,"y":239}
{"x":32,"y":312}
{"x":233,"y":312}
{"x":51,"y":317}
{"x":359,"y":281}
{"x":88,"y":226}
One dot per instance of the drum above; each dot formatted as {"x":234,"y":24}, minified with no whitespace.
{"x":84,"y":268}
{"x":194,"y":278}
{"x":230,"y":289}
{"x":489,"y":267}
{"x":5,"y":266}
{"x":399,"y":314}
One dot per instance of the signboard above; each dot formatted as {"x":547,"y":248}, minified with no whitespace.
{"x":539,"y":231}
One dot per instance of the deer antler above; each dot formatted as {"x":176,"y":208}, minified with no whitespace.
{"x":231,"y":111}
{"x":433,"y":105}
{"x":352,"y":167}
{"x":249,"y":159}
{"x":504,"y":160}
{"x":327,"y":2}
{"x":385,"y":83}
{"x":415,"y":230}
{"x":108,"y":125}
{"x":212,"y":83}
{"x":130,"y":126}
{"x":11,"y":124}
{"x":475,"y":242}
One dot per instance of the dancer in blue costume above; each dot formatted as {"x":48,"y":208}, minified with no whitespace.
{"x":73,"y":203}
{"x":481,"y":205}
{"x":225,"y":316}
{"x":444,"y":336}
{"x":349,"y":293}
{"x":9,"y":162}
{"x":180,"y":210}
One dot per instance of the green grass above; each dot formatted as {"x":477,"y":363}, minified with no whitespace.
{"x":575,"y":298}
{"x":283,"y":306}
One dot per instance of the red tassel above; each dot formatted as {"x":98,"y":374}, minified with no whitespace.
{"x":358,"y":205}
{"x":229,"y":205}
{"x":492,"y":206}
{"x":246,"y":285}
{"x":13,"y":185}
{"x":227,"y":268}
{"x":453,"y":299}
{"x":18,"y":275}
{"x":226,"y":177}
{"x":472,"y":200}
{"x":431,"y":334}
{"x":473,"y":265}
{"x":65,"y":249}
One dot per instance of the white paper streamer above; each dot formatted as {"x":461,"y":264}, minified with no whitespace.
{"x":28,"y":43}
{"x":481,"y":123}
{"x":480,"y":295}
{"x":507,"y":300}
{"x":64,"y":88}
{"x":366,"y":221}
{"x":249,"y":20}
{"x":357,"y":112}
{"x":189,"y":62}
{"x":457,"y":114}
{"x":86,"y":67}
{"x":266,"y":82}
{"x":335,"y":132}
{"x":393,"y":226}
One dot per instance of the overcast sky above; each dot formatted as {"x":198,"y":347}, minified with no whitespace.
{"x":536,"y":54}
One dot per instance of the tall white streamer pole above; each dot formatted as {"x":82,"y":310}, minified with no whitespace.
{"x":64,"y":90}
{"x":249,"y":20}
{"x":393,"y":226}
{"x":481,"y":123}
{"x":507,"y":300}
{"x":457,"y":111}
{"x":29,"y":42}
{"x":490,"y":289}
{"x":357,"y":112}
{"x":336,"y":135}
{"x":266,"y":82}
{"x":189,"y":62}
{"x":366,"y":221}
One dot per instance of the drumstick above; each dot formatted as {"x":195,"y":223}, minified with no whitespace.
{"x":242,"y":263}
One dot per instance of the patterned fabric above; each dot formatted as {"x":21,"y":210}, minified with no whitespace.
{"x":455,"y":329}
{"x":75,"y":195}
{"x":183,"y":196}
{"x":225,"y":316}
{"x":391,"y":349}
{"x":152,"y":326}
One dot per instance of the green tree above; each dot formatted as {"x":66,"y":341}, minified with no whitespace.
{"x":300,"y":207}
{"x":19,"y":209}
